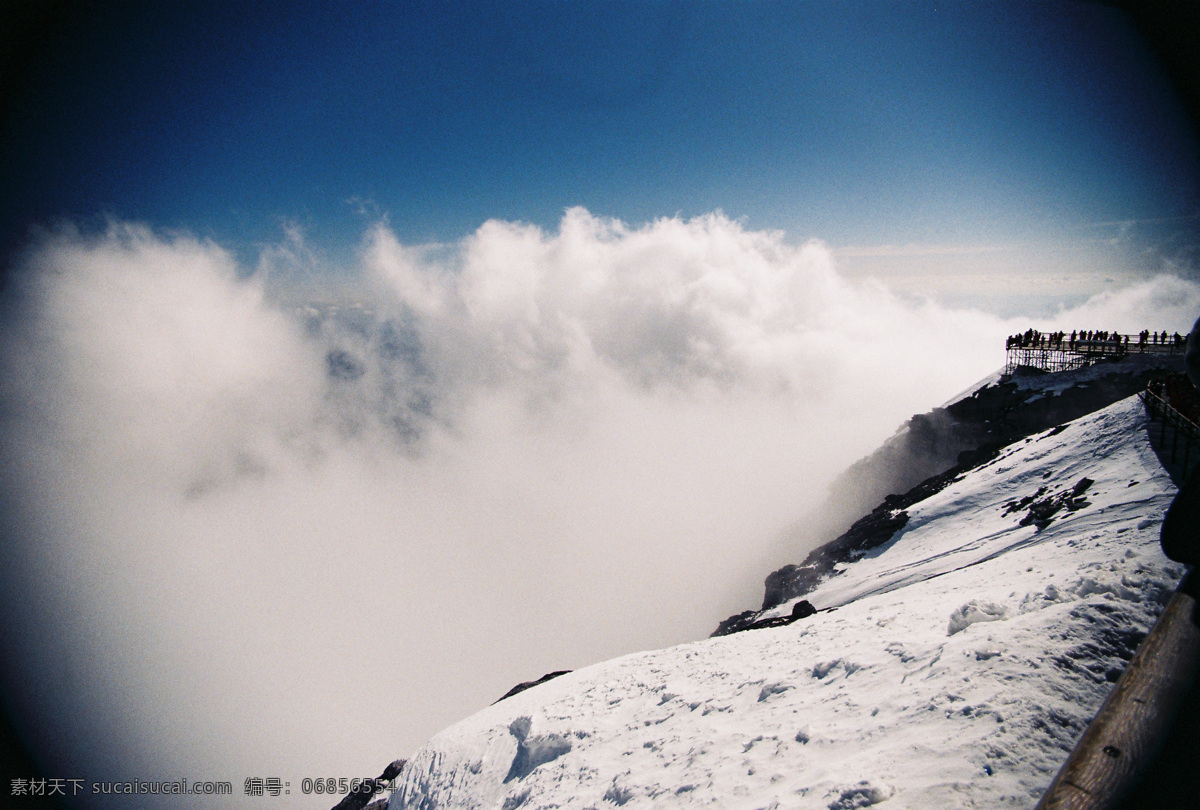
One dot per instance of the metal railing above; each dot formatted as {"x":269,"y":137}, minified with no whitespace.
{"x":1184,"y":433}
{"x":1059,"y":352}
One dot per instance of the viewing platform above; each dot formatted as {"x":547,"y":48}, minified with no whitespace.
{"x":1061,"y":351}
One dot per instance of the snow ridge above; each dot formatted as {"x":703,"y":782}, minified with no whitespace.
{"x":953,"y":666}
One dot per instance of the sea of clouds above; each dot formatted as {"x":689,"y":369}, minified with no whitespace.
{"x":244,"y":537}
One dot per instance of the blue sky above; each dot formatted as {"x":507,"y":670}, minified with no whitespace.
{"x":865,"y":124}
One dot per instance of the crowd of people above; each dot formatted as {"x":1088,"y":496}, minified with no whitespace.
{"x":1083,"y":340}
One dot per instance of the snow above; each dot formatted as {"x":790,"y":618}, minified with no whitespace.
{"x":954,"y":666}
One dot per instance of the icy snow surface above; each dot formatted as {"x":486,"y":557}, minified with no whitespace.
{"x":962,"y":662}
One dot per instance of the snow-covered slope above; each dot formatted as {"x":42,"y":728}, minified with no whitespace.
{"x":962,"y":661}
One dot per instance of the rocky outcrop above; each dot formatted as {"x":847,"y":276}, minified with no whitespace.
{"x":934,"y":449}
{"x":996,"y":415}
{"x":749,"y":620}
{"x":523,"y":685}
{"x":1042,"y":510}
{"x":361,"y":797}
{"x":869,"y":532}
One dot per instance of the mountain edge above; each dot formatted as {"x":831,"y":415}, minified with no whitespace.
{"x":933,"y":450}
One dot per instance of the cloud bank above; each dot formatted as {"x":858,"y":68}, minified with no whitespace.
{"x":253,"y":539}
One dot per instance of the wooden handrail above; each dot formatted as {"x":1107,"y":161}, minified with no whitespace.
{"x":1124,"y":736}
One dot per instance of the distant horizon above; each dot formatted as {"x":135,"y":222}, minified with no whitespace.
{"x":1001,"y":279}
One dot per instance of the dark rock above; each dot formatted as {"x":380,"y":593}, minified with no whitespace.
{"x":392,"y":771}
{"x":749,"y":620}
{"x":869,"y":532}
{"x":737,"y":623}
{"x":1042,"y":511}
{"x":789,"y":581}
{"x":358,"y":798}
{"x":521,"y":687}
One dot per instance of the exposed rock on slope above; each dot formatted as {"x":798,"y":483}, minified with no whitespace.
{"x":523,"y":685}
{"x":363,"y":797}
{"x":997,"y":412}
{"x":962,"y":435}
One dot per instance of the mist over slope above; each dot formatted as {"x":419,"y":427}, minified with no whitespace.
{"x":954,"y":666}
{"x":934,"y":447}
{"x":236,"y":529}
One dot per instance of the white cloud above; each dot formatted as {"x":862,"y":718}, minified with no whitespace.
{"x":1161,"y":303}
{"x":1032,"y":278}
{"x":266,"y":543}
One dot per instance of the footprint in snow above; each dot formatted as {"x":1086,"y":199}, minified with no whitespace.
{"x":864,"y":794}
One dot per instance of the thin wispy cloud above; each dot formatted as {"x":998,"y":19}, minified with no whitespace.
{"x":911,"y":249}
